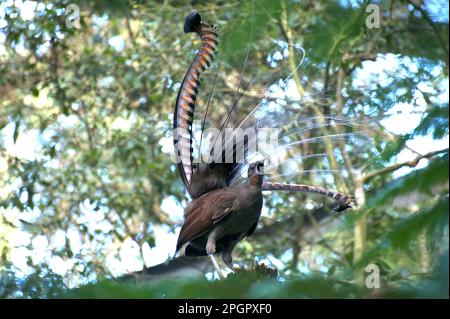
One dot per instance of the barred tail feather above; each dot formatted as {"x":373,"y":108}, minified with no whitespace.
{"x":187,"y":95}
{"x":343,"y":200}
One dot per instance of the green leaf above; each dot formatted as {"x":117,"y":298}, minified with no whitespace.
{"x":151,"y":242}
{"x":422,"y":180}
{"x":406,"y":231}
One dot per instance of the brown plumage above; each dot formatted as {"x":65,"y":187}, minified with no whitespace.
{"x":209,"y":177}
{"x":216,"y":221}
{"x":219,"y":215}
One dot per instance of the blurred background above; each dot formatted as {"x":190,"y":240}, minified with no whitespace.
{"x":89,"y":192}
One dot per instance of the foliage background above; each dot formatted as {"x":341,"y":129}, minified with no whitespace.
{"x":98,"y":101}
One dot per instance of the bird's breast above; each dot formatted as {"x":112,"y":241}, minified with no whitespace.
{"x":243,"y":219}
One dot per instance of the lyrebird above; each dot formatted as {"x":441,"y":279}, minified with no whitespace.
{"x":224,"y":207}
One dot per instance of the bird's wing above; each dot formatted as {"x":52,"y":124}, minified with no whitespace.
{"x":205,"y":212}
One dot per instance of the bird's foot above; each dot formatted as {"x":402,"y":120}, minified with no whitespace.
{"x":234,"y":268}
{"x":228,"y":259}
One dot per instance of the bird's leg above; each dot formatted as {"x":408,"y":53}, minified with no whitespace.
{"x":228,"y":259}
{"x":216,"y":266}
{"x":211,"y":250}
{"x":226,"y":254}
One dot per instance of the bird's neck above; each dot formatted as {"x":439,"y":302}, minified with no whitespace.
{"x":255,"y":181}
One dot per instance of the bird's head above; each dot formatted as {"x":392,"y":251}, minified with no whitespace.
{"x":255,"y":173}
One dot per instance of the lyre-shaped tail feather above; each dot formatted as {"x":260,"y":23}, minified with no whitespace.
{"x":344,"y":201}
{"x":185,"y":103}
{"x":206,"y":177}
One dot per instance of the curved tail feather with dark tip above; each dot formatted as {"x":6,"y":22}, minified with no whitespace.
{"x":185,"y":103}
{"x":343,"y":200}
